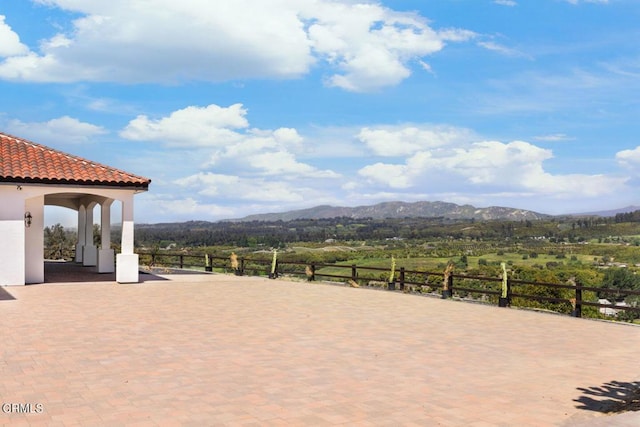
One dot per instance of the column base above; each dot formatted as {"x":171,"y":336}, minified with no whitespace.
{"x":79,"y":250}
{"x":127,"y":268}
{"x":90,"y":256}
{"x":106,"y":261}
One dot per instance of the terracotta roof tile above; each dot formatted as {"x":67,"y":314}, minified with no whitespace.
{"x":28,"y":162}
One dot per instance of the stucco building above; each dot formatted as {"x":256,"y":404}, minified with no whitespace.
{"x":33,"y":176}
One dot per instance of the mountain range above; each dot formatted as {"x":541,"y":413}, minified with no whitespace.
{"x":401,"y":210}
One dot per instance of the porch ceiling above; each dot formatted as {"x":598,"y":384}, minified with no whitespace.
{"x":72,"y":200}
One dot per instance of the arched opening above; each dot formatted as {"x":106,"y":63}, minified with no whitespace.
{"x":60,"y":233}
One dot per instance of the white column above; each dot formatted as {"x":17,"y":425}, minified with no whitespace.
{"x":106,"y":259}
{"x":90,"y":251}
{"x":82,"y":219}
{"x":127,"y":261}
{"x":34,"y":241}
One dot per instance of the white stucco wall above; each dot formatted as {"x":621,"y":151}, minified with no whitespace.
{"x":12,"y":236}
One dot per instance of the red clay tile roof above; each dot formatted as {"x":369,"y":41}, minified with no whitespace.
{"x":28,"y":162}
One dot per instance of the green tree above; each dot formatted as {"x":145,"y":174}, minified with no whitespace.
{"x":619,"y":279}
{"x":58,"y":243}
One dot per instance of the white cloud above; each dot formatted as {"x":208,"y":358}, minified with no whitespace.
{"x":231,"y":187}
{"x":406,"y":140}
{"x":496,"y":47}
{"x":505,"y":2}
{"x":212,"y":184}
{"x":366,"y":46}
{"x":212,"y":126}
{"x":393,"y":176}
{"x":174,"y":207}
{"x":283,"y":162}
{"x":369,"y":43}
{"x":487,"y":167}
{"x":629,"y":158}
{"x":555,"y":137}
{"x":10,"y":44}
{"x":63,"y":130}
{"x":226,"y":142}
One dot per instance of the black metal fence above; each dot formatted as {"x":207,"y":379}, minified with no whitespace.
{"x":565,"y":297}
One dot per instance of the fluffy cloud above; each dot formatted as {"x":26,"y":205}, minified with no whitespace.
{"x":366,"y":46}
{"x":227,"y":142}
{"x":177,"y":207}
{"x":236,"y":188}
{"x":371,"y":44}
{"x":63,"y":130}
{"x":488,"y":167}
{"x":406,"y":140}
{"x":10,"y":44}
{"x":629,"y":158}
{"x":192,"y":126}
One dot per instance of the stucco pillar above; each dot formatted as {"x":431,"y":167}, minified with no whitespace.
{"x":12,"y":252}
{"x":106,"y":258}
{"x":82,"y":219}
{"x":90,"y":251}
{"x":127,"y":261}
{"x":34,"y":240}
{"x":12,"y":248}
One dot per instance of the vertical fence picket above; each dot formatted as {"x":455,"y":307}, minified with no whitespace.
{"x":577,"y":311}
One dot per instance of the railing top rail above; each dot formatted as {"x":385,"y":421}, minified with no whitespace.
{"x":483,"y":278}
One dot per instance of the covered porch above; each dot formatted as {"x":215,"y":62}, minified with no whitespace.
{"x":33,"y":176}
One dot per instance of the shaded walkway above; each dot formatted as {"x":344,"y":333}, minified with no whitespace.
{"x":227,"y":350}
{"x":70,"y":272}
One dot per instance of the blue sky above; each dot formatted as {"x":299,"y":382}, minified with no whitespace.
{"x":526,"y":104}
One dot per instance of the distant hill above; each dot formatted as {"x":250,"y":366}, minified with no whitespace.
{"x":401,"y":210}
{"x":612,"y":212}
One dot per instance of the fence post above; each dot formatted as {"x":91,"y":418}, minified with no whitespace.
{"x":274,"y":265}
{"x":312,"y":270}
{"x":402,"y":278}
{"x":354,"y":272}
{"x":505,"y":301}
{"x":207,"y":263}
{"x":447,"y":282}
{"x":505,"y":296}
{"x":233,"y":260}
{"x":181,"y":261}
{"x":241,"y":271}
{"x":392,"y":275}
{"x":577,"y":310}
{"x":153,"y":260}
{"x":274,"y":270}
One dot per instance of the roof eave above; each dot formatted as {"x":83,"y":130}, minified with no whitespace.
{"x":144,"y":185}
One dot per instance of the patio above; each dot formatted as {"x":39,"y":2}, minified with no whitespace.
{"x":205,"y":349}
